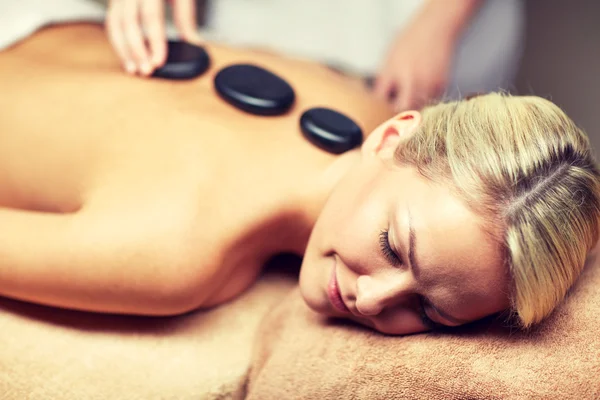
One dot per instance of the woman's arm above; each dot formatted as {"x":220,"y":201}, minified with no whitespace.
{"x":129,"y":263}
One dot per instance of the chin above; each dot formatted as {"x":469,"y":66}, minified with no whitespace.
{"x":314,"y":299}
{"x":313,"y":295}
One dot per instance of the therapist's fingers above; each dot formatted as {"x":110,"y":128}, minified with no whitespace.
{"x":134,"y":35}
{"x":184,"y":16}
{"x":408,"y":97}
{"x":153,"y":20}
{"x":384,"y":86}
{"x":116,"y":36}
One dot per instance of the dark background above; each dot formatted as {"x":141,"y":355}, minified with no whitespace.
{"x":562,"y":59}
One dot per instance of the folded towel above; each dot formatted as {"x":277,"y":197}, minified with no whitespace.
{"x":63,"y":355}
{"x":301,"y":355}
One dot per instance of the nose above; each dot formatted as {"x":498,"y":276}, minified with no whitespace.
{"x":374,"y":293}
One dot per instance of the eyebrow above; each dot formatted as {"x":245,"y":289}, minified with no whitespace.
{"x":414,"y":265}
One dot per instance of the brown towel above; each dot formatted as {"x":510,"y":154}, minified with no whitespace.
{"x":49,"y":354}
{"x":300,"y":355}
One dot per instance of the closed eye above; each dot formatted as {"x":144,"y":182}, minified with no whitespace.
{"x":387,"y":250}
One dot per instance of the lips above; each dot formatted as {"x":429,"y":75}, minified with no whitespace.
{"x":333,"y":292}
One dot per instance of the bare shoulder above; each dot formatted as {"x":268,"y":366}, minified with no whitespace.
{"x":166,"y":173}
{"x":204,"y":247}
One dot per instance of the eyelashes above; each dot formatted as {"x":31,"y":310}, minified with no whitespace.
{"x":386,"y":249}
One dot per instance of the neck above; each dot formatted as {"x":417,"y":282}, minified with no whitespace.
{"x":303,"y":210}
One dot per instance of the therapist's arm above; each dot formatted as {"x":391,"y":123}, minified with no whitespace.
{"x":418,"y":63}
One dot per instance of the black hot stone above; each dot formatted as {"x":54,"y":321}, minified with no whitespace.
{"x":330,"y":130}
{"x":184,"y":61}
{"x":254,"y":89}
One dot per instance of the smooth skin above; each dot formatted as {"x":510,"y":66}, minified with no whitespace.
{"x":415,"y":71}
{"x":152,"y":197}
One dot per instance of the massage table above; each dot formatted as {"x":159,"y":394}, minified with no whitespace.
{"x":50,"y":354}
{"x":267,"y":344}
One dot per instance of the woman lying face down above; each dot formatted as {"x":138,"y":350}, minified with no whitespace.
{"x":466,"y":210}
{"x":174,"y":203}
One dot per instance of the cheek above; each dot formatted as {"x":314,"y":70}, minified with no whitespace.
{"x":352,"y":230}
{"x":341,"y":227}
{"x":353,"y":205}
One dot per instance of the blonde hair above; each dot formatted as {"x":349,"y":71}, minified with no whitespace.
{"x":525,"y":166}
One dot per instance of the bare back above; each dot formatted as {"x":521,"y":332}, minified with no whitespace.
{"x":79,"y":135}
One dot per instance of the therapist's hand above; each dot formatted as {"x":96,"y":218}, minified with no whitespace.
{"x":417,"y":68}
{"x":136,"y":30}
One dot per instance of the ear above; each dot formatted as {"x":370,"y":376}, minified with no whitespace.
{"x":385,"y":138}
